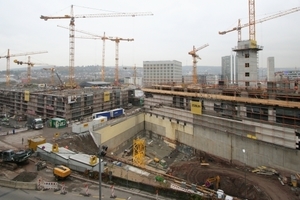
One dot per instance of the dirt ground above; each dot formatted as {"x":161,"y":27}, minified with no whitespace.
{"x":234,"y":180}
{"x":232,"y":177}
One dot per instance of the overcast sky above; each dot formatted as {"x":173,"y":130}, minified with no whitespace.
{"x":169,"y":34}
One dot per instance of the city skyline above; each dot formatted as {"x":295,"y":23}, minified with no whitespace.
{"x":169,"y":34}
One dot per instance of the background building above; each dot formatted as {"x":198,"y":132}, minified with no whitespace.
{"x":159,"y":72}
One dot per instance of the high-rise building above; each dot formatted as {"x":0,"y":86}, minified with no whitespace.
{"x":162,"y":72}
{"x":247,"y":63}
{"x":229,"y":72}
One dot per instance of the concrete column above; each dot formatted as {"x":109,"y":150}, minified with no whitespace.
{"x":271,"y":115}
{"x":242,"y":111}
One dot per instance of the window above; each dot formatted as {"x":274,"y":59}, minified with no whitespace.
{"x":247,"y":74}
{"x":247,"y":55}
{"x":247,"y":65}
{"x":247,"y":84}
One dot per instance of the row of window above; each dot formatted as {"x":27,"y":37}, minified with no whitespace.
{"x":157,"y":65}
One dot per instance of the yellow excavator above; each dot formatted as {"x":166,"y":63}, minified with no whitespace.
{"x":212,"y":183}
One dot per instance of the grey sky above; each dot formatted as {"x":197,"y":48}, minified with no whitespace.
{"x":169,"y":34}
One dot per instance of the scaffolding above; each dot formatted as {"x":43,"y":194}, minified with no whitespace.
{"x":139,"y":152}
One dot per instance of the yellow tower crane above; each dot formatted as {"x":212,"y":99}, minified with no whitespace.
{"x":195,"y":56}
{"x":239,"y":27}
{"x":72,"y":33}
{"x":134,"y":73}
{"x":52,"y":70}
{"x":95,"y":37}
{"x":15,"y":55}
{"x":117,"y":41}
{"x":29,"y":65}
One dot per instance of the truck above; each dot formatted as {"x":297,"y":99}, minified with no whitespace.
{"x":35,"y":122}
{"x":116,"y":112}
{"x":10,"y":158}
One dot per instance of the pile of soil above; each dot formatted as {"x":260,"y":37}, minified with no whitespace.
{"x":26,"y":176}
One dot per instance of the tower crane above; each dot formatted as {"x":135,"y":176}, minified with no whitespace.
{"x":134,"y":73}
{"x":29,"y":65}
{"x":103,"y":38}
{"x":239,"y":27}
{"x":72,"y":32}
{"x":52,"y":69}
{"x":15,"y":55}
{"x":195,"y":56}
{"x":115,"y":39}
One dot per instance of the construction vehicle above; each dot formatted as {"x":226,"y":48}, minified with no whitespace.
{"x":35,"y":122}
{"x":34,"y":142}
{"x":212,"y":183}
{"x":61,"y":172}
{"x":10,"y":158}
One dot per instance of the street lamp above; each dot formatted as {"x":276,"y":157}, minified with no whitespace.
{"x":245,"y":161}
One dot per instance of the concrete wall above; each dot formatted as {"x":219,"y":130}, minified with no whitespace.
{"x":226,"y":141}
{"x":18,"y":184}
{"x":116,"y":135}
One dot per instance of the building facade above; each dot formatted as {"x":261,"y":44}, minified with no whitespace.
{"x":73,"y":104}
{"x":247,"y":63}
{"x":160,"y":72}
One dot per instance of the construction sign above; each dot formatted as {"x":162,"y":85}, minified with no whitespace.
{"x":196,"y":107}
{"x":26,"y":95}
{"x":106,"y":96}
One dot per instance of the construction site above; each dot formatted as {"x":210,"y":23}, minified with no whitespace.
{"x":235,"y":139}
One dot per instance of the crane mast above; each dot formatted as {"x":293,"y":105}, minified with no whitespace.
{"x":29,"y":65}
{"x":72,"y":34}
{"x":15,"y":55}
{"x":117,"y":41}
{"x":252,"y":20}
{"x":134,"y":73}
{"x":239,"y":27}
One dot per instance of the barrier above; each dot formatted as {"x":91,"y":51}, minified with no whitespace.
{"x":63,"y":189}
{"x":51,"y":185}
{"x":112,"y":195}
{"x":86,"y":191}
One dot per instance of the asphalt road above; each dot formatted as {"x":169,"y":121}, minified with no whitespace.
{"x":14,"y":141}
{"x":10,"y":193}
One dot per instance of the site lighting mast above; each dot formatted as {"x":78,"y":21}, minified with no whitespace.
{"x":72,"y":32}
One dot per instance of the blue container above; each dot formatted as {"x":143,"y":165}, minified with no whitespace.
{"x":116,"y":112}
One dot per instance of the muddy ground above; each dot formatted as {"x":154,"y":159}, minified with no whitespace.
{"x":232,"y":177}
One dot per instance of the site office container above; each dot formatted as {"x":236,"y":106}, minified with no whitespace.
{"x":58,"y":123}
{"x":116,"y":112}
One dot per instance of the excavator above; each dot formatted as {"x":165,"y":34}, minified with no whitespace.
{"x":10,"y":158}
{"x":212,"y":183}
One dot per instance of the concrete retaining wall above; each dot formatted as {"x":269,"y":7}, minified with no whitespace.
{"x":18,"y":184}
{"x":227,"y":140}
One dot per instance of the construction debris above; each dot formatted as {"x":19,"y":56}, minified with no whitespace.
{"x":265,"y":171}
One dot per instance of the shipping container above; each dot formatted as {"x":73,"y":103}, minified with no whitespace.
{"x":99,"y":114}
{"x":116,"y":112}
{"x":99,"y":120}
{"x":58,"y":123}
